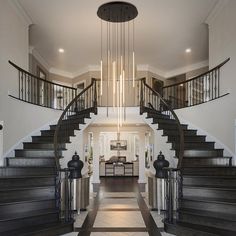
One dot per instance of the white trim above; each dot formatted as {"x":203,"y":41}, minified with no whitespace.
{"x":216,"y":11}
{"x":39,"y":58}
{"x":185,"y":69}
{"x":141,"y":67}
{"x":21,"y":12}
{"x":210,"y":138}
{"x":27,"y":138}
{"x":79,"y":82}
{"x":61,"y":73}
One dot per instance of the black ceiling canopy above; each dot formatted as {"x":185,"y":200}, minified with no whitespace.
{"x":117,"y":11}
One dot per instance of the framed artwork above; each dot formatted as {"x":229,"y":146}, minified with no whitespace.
{"x":118,"y":145}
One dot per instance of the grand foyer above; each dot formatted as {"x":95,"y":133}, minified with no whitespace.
{"x":182,"y":104}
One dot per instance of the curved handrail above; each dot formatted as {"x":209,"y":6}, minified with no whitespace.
{"x":197,"y":90}
{"x":41,"y":92}
{"x":181,"y":144}
{"x":64,"y":113}
{"x":38,"y":78}
{"x":198,"y":76}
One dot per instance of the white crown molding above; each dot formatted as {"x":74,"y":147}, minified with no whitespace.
{"x":157,"y":71}
{"x":21,"y":12}
{"x":39,"y":58}
{"x":185,"y":69}
{"x":216,"y":11}
{"x":62,"y":73}
{"x":141,"y":67}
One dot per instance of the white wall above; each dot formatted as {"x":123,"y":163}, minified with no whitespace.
{"x":19,"y":118}
{"x":105,"y":139}
{"x":217,"y":117}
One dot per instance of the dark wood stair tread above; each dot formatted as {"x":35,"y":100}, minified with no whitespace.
{"x":25,"y":199}
{"x":213,"y":200}
{"x":42,"y":230}
{"x":27,"y":214}
{"x":230,"y":217}
{"x":211,"y":230}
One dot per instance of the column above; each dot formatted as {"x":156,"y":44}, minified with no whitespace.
{"x":96,"y":152}
{"x":142,"y":178}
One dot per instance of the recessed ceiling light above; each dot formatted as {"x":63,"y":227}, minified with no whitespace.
{"x":61,"y":50}
{"x":188,"y":50}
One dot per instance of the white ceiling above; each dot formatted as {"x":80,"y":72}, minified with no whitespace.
{"x":164,"y":29}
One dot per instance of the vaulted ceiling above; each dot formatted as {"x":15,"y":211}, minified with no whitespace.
{"x":164,"y":29}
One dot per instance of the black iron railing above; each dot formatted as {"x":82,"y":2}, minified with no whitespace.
{"x":35,"y":90}
{"x":83,"y":103}
{"x":150,"y":99}
{"x":200,"y":89}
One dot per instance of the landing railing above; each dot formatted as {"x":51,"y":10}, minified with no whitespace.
{"x":198,"y":90}
{"x":35,"y":90}
{"x":152,"y":100}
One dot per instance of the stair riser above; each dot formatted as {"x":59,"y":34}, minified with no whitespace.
{"x":207,"y":221}
{"x":176,"y":132}
{"x":31,"y":221}
{"x":182,"y":231}
{"x":55,"y":231}
{"x":211,"y":193}
{"x":171,"y":127}
{"x":61,"y":132}
{"x":164,"y":121}
{"x":73,"y":121}
{"x":41,"y":146}
{"x":191,"y":162}
{"x":18,"y":171}
{"x":15,"y":208}
{"x":15,"y":195}
{"x":218,"y":208}
{"x":198,"y":145}
{"x":227,"y":182}
{"x":209,"y":171}
{"x":187,"y":139}
{"x":24,"y":162}
{"x":157,"y":116}
{"x":65,"y":127}
{"x":25,"y":182}
{"x":35,"y":153}
{"x":203,"y":153}
{"x":48,"y":139}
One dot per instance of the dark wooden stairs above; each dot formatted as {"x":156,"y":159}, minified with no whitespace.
{"x":208,"y":201}
{"x":28,"y":184}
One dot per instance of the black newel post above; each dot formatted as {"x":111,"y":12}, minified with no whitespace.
{"x":75,"y":166}
{"x":159,"y":165}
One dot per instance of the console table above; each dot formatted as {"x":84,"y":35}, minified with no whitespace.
{"x":118,"y":169}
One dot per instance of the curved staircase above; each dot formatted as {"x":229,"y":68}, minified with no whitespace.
{"x":208,"y":202}
{"x":29,"y":189}
{"x":207,"y":192}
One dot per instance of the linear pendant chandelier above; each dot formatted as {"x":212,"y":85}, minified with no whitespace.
{"x":117,"y":53}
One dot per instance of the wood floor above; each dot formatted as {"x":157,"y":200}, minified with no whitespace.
{"x":119,"y":209}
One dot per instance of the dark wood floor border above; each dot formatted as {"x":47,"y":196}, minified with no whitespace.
{"x":147,"y":217}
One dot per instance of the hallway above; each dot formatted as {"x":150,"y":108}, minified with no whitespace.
{"x":119,"y":209}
